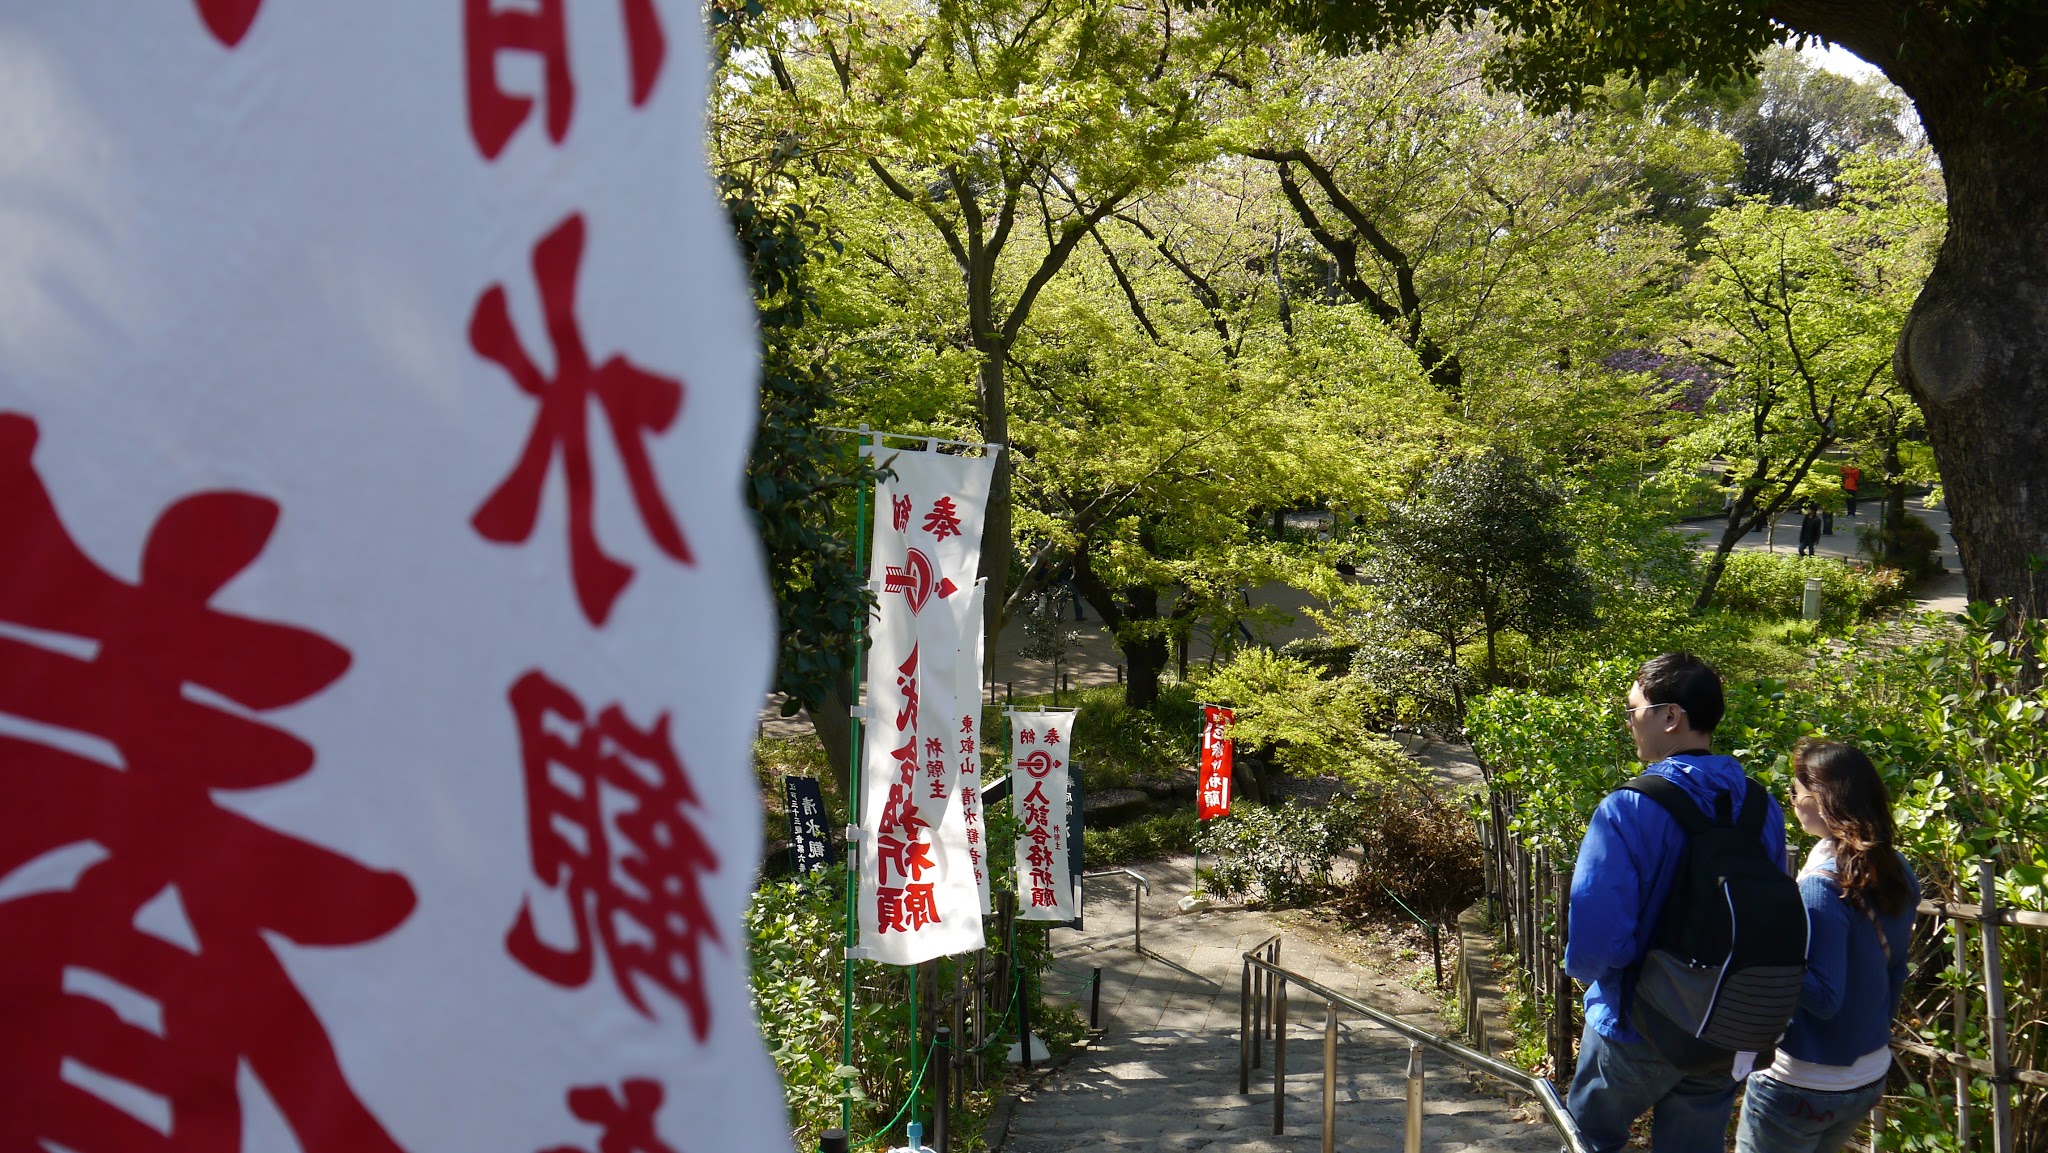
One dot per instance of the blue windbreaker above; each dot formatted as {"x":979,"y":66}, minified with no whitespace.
{"x":1626,"y":868}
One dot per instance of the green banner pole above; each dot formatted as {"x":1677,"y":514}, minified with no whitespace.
{"x":853,"y":795}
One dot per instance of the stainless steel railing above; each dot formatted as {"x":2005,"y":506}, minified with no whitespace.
{"x":1140,"y":889}
{"x":1262,"y":1015}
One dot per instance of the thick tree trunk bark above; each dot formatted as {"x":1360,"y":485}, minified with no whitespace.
{"x":997,"y":524}
{"x":835,"y":732}
{"x":1975,"y":356}
{"x":1974,"y":352}
{"x":1146,"y":658}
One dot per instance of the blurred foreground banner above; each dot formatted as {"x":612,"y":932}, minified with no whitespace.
{"x":381,"y":630}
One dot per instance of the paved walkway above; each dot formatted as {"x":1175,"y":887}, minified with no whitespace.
{"x":1163,"y":1074}
{"x":1947,"y":593}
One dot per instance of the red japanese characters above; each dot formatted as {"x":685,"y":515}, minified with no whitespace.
{"x":605,"y":812}
{"x":491,"y":29}
{"x":903,"y":897}
{"x":635,"y":403}
{"x":148,"y":975}
{"x":228,"y":20}
{"x":626,"y":1117}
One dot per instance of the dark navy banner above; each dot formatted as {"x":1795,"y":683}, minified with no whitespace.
{"x":810,"y":842}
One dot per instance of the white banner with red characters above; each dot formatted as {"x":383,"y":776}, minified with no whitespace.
{"x":1213,"y":797}
{"x":967,"y":809}
{"x":1038,"y":795}
{"x":381,"y":629}
{"x":917,"y":895}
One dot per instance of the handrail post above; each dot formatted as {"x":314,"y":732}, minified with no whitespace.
{"x":1273,"y":959}
{"x":1279,"y":1054}
{"x":1259,"y":979}
{"x":1244,"y":1029}
{"x":1330,"y":1077}
{"x":1413,"y":1137}
{"x":1137,"y":916}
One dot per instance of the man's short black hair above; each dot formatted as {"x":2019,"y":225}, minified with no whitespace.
{"x":1684,"y":680}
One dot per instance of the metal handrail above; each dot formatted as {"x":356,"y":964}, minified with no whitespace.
{"x":1273,"y":980}
{"x":1137,"y":901}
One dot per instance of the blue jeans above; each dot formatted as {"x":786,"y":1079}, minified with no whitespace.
{"x":1618,"y":1081}
{"x":1781,"y":1118}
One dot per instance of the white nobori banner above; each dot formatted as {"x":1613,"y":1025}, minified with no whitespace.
{"x":1039,"y":742}
{"x":917,"y":896}
{"x":965,"y":815}
{"x":381,"y":628}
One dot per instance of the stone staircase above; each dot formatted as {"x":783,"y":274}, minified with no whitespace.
{"x":1163,"y":1074}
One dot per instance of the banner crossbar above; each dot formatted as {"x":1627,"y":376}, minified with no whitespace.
{"x":930,"y":442}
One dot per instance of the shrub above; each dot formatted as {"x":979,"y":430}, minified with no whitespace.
{"x":1143,"y":840}
{"x":1314,"y":727}
{"x":1910,"y":544}
{"x":1421,"y":850}
{"x":1774,"y":584}
{"x":1280,"y":857}
{"x":1117,"y":745}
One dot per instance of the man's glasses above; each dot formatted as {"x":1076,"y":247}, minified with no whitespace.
{"x":1628,"y":712}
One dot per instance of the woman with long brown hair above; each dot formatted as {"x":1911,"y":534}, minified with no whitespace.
{"x":1860,"y":900}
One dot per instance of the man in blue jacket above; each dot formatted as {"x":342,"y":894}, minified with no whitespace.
{"x":1625,"y":871}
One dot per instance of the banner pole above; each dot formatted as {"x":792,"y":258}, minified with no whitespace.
{"x":853,"y":796}
{"x":916,"y":972}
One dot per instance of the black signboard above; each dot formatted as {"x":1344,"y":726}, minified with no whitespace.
{"x":810,"y":842}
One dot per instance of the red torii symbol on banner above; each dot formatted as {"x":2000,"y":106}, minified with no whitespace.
{"x":635,"y":402}
{"x":176,"y":892}
{"x":917,"y":579}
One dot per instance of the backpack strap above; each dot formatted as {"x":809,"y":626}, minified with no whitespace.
{"x":1754,"y":802}
{"x":1672,"y":800}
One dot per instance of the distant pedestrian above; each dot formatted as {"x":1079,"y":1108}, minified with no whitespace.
{"x":1851,"y":477}
{"x":1860,"y":897}
{"x":1809,"y":532}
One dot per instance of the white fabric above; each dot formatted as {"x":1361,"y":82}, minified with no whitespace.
{"x":1039,"y":745}
{"x":917,"y":894}
{"x":1831,"y":1078}
{"x":966,"y":809}
{"x":251,"y":258}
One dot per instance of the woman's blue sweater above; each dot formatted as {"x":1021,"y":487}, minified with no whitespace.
{"x":1851,"y":991}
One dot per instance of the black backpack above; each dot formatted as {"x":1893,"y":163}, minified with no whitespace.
{"x":1728,"y":954}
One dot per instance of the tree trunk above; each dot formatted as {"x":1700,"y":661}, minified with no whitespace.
{"x":996,"y":525}
{"x":835,"y":733}
{"x":1743,"y":519}
{"x":1975,"y":350}
{"x":1145,"y":658}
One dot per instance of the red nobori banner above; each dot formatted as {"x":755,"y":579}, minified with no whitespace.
{"x":376,"y":383}
{"x":918,"y":898}
{"x":1038,"y":795}
{"x":1213,"y":798}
